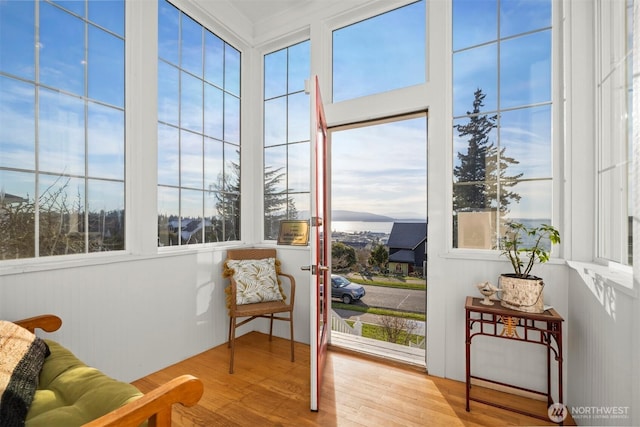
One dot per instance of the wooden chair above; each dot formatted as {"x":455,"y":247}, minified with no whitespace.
{"x":252,"y":311}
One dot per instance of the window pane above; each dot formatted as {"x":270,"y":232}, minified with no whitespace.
{"x":466,"y":16}
{"x":275,"y":175}
{"x":299,"y":117}
{"x":534,"y":204}
{"x":168,"y":214}
{"x":232,"y":70}
{"x":275,"y":74}
{"x":469,"y":167}
{"x":108,"y":14}
{"x":213,"y":164}
{"x":524,"y":15}
{"x":367,"y":55}
{"x":525,"y":79}
{"x":168,"y":32}
{"x":106,"y":64}
{"x":299,"y":159}
{"x":61,"y":219}
{"x":74,"y":6}
{"x":301,"y":204}
{"x":214,"y":60}
{"x":231,"y":168}
{"x":52,"y":132}
{"x":498,"y":147}
{"x":105,"y":133}
{"x":61,"y":49}
{"x":191,"y":102}
{"x":17,"y":38}
{"x":168,"y":90}
{"x":17,"y":124}
{"x":299,"y":66}
{"x":472,"y":70}
{"x":191,"y":155}
{"x":192,"y":208}
{"x":106,"y":215}
{"x":231,"y":119}
{"x":168,"y":155}
{"x":275,"y":121}
{"x":213,"y":220}
{"x":191,"y":51}
{"x":525,"y":136}
{"x":208,"y":116}
{"x":61,"y":131}
{"x":286,"y":124}
{"x":213,"y":111}
{"x":17,"y":223}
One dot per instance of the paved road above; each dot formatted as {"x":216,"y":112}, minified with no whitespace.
{"x":397,"y":299}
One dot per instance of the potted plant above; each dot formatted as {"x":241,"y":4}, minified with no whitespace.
{"x":521,"y":290}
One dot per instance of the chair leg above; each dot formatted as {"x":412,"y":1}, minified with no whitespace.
{"x":229,"y":338}
{"x":232,"y":341}
{"x":271,"y":328}
{"x":291,"y":327}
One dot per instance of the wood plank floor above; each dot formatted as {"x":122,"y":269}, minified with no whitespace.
{"x":268,"y":390}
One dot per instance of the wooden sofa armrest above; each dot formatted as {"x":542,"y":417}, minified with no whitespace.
{"x":156,"y":405}
{"x":46,"y":322}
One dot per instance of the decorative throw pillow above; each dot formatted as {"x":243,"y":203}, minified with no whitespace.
{"x":256,"y":280}
{"x":22,"y":355}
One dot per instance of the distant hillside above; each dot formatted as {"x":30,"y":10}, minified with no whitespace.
{"x":359,"y":216}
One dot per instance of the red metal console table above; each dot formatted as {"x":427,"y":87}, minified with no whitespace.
{"x":500,"y":322}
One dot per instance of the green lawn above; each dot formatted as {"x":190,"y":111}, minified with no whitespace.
{"x":379,"y":311}
{"x":376,"y":332}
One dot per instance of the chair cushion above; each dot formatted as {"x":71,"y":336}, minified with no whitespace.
{"x":22,"y":355}
{"x":71,"y":393}
{"x":256,"y":280}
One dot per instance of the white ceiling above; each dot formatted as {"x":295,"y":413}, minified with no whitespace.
{"x":260,"y":10}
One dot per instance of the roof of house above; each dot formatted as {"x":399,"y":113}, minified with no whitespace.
{"x":407,"y":235}
{"x":403,"y":255}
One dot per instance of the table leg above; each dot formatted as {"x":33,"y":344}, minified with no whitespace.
{"x":468,"y":353}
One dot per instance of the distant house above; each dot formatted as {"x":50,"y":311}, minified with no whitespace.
{"x":407,"y":247}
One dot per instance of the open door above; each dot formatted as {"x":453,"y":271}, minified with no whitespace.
{"x":320,"y":243}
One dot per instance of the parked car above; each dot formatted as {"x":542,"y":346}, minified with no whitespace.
{"x":345,"y":290}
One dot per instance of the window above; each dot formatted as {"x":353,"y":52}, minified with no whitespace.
{"x":380,"y":54}
{"x":287,"y":151}
{"x":62,"y":135}
{"x":614,"y":66}
{"x":198,"y":133}
{"x":502,"y":118}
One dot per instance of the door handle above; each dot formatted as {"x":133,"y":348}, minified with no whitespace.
{"x":314,"y":269}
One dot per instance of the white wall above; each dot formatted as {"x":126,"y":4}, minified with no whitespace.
{"x":131,"y":315}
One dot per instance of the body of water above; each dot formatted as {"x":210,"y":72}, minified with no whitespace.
{"x":360,"y":226}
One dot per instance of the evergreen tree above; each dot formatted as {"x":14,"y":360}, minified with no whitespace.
{"x":342,"y":256}
{"x":482,"y":169}
{"x":278,"y":205}
{"x":379,"y":257}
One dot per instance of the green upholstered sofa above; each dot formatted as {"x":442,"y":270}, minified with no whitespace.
{"x":70,"y":393}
